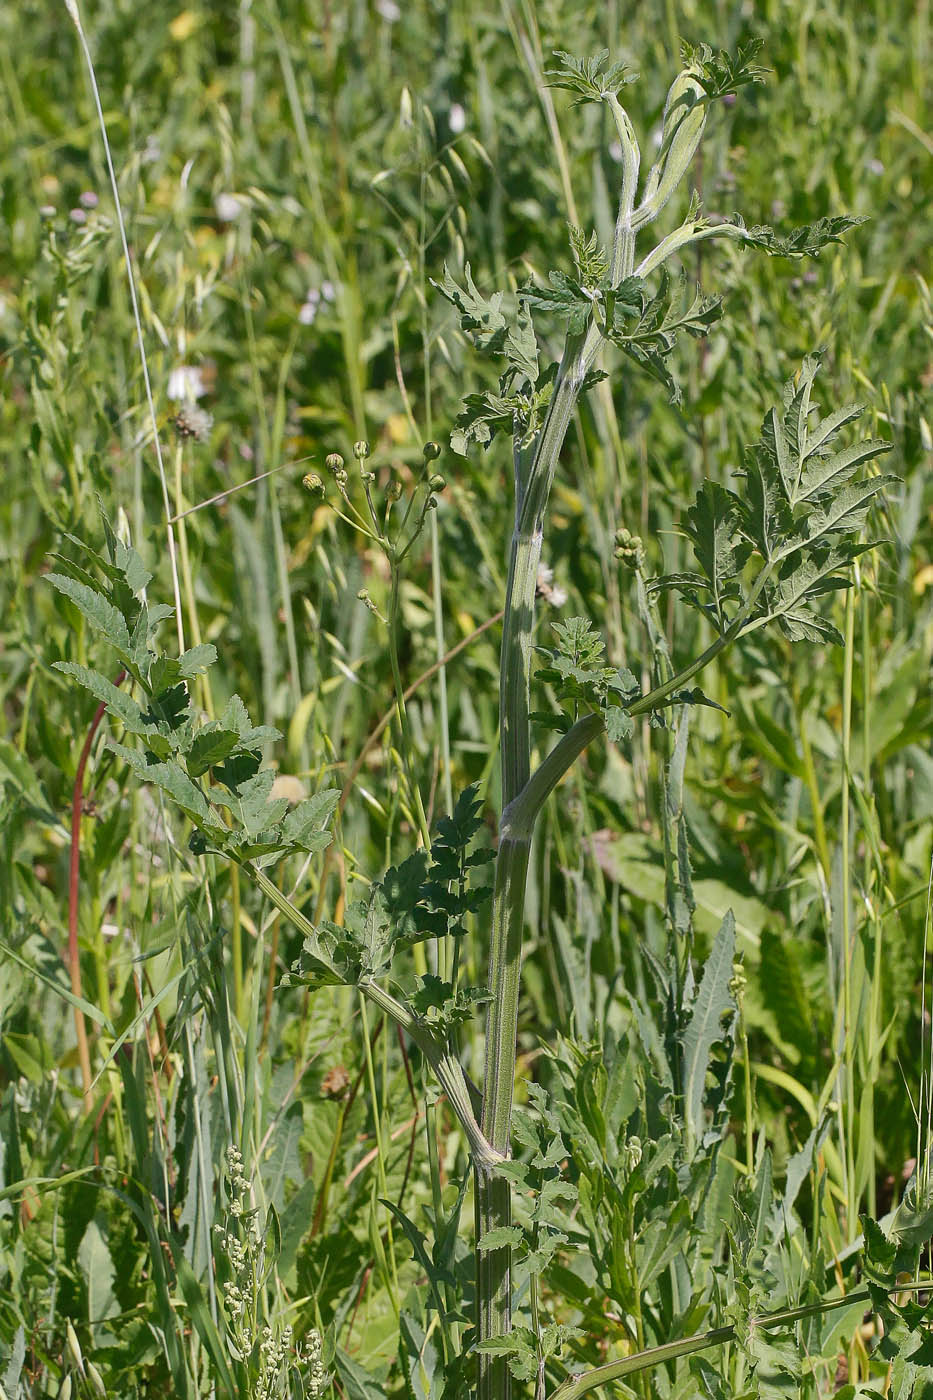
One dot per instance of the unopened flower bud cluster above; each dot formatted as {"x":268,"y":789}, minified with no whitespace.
{"x":629,"y":549}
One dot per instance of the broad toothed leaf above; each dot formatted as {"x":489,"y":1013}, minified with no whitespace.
{"x":122,"y":706}
{"x":306,"y":825}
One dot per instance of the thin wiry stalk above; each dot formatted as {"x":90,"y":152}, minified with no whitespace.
{"x":72,"y":7}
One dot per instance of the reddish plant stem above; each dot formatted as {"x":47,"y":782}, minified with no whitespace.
{"x":74,"y":964}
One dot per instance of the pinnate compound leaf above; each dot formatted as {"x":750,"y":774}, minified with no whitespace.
{"x":589,"y":257}
{"x":490,"y":329}
{"x":720,"y":73}
{"x":807,"y":240}
{"x":650,"y":341}
{"x":589,"y":79}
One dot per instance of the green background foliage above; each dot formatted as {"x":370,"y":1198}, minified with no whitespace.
{"x":295,"y":179}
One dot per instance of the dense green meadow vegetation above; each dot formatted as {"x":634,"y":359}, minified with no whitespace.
{"x":279,"y":822}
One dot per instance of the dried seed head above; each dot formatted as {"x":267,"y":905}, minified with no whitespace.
{"x":336,"y":1082}
{"x":193,"y":422}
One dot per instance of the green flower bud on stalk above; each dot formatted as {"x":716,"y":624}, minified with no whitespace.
{"x":96,"y":1379}
{"x":684,"y":119}
{"x":333,"y":462}
{"x":431,"y":451}
{"x":393,"y":490}
{"x":367,"y":601}
{"x":437,"y":482}
{"x":361,"y":450}
{"x":312,"y":482}
{"x":629,"y":549}
{"x":74,"y":1347}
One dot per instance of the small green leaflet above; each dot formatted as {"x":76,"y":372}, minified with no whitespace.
{"x":589,"y":79}
{"x":575,"y":670}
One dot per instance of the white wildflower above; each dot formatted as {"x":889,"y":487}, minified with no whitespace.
{"x":546,"y":588}
{"x":186,"y":383}
{"x":228,"y":207}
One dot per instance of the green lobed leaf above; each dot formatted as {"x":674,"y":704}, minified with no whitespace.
{"x":210,"y":746}
{"x":122,"y":706}
{"x":714,"y":1002}
{"x":99,"y":611}
{"x":306,"y":825}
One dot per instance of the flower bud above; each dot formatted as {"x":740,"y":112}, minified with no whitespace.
{"x":684,"y":119}
{"x":393,"y":490}
{"x":431,"y":451}
{"x":312,"y":482}
{"x":96,"y":1379}
{"x":333,"y":462}
{"x":74,"y":1346}
{"x":361,"y":450}
{"x":437,"y":482}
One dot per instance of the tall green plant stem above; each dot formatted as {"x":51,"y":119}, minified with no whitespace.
{"x":533,"y":480}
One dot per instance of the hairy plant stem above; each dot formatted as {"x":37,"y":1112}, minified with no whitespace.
{"x":533,"y":481}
